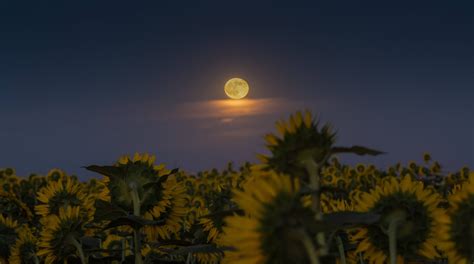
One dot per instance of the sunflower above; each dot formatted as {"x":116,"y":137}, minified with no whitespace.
{"x":457,"y":232}
{"x":60,"y":194}
{"x":213,"y":231}
{"x":56,"y":175}
{"x":8,"y":235}
{"x":276,"y":227}
{"x":137,"y":172}
{"x":413,"y":207}
{"x":300,"y":138}
{"x":14,"y":207}
{"x":24,"y":249}
{"x":171,"y":208}
{"x":115,"y":243}
{"x":208,"y":258}
{"x":60,"y":234}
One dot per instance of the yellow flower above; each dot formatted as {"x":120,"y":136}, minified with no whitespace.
{"x":60,"y":194}
{"x":300,"y":138}
{"x":119,"y":243}
{"x":60,"y":233}
{"x":170,"y":208}
{"x":24,"y":249}
{"x":9,"y":234}
{"x":417,"y":232}
{"x":274,"y":220}
{"x":457,"y":230}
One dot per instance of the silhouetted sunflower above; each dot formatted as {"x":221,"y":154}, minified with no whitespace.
{"x":60,"y":234}
{"x":300,"y":138}
{"x":457,"y":232}
{"x":24,"y":249}
{"x":276,"y":227}
{"x":413,"y":207}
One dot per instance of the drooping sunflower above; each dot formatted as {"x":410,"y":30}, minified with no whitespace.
{"x":24,"y":249}
{"x":300,"y":138}
{"x":8,"y":235}
{"x":414,"y":207}
{"x":457,"y":232}
{"x":60,"y":234}
{"x":60,"y":194}
{"x":276,"y":227}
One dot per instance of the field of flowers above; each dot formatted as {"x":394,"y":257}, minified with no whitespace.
{"x":300,"y":204}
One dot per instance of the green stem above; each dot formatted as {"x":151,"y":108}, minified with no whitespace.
{"x":136,"y":232}
{"x":310,"y":249}
{"x":340,"y":247}
{"x":35,"y":259}
{"x":392,"y":240}
{"x":314,"y":183}
{"x":78,"y":247}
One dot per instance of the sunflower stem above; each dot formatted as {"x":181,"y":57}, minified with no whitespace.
{"x":36,"y":259}
{"x":309,"y":246}
{"x":392,"y":238}
{"x":78,"y":247}
{"x":136,"y":231}
{"x":314,"y":184}
{"x":340,"y":247}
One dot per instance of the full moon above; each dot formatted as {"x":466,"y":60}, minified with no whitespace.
{"x":236,"y":88}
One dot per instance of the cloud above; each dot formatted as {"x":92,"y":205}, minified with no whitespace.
{"x":227,"y":110}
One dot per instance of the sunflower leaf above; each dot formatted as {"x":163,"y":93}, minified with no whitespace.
{"x":224,"y":213}
{"x":358,"y":150}
{"x":107,"y":211}
{"x":202,"y":248}
{"x":342,"y":219}
{"x":109,"y":171}
{"x":133,"y":221}
{"x":160,"y":180}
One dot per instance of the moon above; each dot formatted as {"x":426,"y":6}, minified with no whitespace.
{"x":236,"y":88}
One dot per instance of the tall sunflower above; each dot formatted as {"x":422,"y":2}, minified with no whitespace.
{"x":60,"y":234}
{"x":409,"y":221}
{"x":299,"y":138}
{"x":276,"y":227}
{"x":61,"y":194}
{"x":457,"y":232}
{"x":24,"y":249}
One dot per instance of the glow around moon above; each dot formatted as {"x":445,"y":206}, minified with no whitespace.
{"x":236,"y":88}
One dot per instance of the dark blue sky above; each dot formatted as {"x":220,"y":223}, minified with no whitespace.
{"x":88,"y":81}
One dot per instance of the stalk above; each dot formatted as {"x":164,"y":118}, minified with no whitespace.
{"x":78,"y":247}
{"x":392,"y":238}
{"x":309,"y":246}
{"x":36,"y":259}
{"x":340,"y":247}
{"x":136,"y":232}
{"x":314,"y":183}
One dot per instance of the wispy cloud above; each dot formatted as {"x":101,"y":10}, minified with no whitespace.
{"x":228,"y":110}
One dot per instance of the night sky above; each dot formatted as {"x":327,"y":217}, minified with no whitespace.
{"x":83,"y":82}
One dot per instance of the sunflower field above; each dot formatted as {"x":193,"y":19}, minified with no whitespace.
{"x":299,"y":204}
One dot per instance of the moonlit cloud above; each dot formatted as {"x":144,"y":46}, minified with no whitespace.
{"x":227,"y":110}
